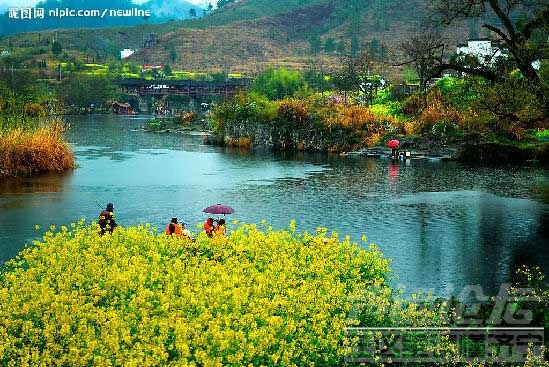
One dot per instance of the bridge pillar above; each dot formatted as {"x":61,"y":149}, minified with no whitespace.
{"x":144,"y":104}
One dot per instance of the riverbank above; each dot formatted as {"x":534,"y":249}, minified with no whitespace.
{"x":472,"y":150}
{"x":467,"y":150}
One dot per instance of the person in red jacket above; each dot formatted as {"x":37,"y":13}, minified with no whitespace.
{"x":209,"y":227}
{"x":106,"y":220}
{"x":174,"y":228}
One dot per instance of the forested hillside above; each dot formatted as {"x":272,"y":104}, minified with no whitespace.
{"x":246,"y":35}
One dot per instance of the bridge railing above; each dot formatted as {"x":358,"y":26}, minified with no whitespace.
{"x":163,"y":87}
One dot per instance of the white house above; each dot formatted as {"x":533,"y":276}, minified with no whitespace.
{"x":126,"y":52}
{"x":485,"y":50}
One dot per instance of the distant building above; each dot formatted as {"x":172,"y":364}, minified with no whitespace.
{"x":126,"y":52}
{"x":148,"y":66}
{"x":485,"y":50}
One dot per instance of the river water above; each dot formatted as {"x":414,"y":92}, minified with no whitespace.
{"x":445,"y":226}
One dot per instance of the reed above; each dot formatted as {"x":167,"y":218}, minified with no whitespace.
{"x":25,"y":150}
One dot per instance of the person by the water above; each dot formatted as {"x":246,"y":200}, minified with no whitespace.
{"x":209,"y":226}
{"x":186,"y":233}
{"x":174,"y":228}
{"x":106,"y":220}
{"x":220,"y":228}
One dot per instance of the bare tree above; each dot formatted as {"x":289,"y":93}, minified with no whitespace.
{"x":358,"y":76}
{"x":424,"y":49}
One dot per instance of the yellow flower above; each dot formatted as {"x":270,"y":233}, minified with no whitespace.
{"x":140,"y":298}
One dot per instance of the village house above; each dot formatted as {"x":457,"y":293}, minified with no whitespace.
{"x":486,"y":51}
{"x":126,"y":52}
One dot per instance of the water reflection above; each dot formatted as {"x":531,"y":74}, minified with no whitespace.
{"x":444,"y":225}
{"x":34,"y":184}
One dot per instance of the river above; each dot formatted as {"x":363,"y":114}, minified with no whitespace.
{"x":445,"y":226}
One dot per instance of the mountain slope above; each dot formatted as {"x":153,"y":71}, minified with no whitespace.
{"x":248,"y":35}
{"x":283,"y":39}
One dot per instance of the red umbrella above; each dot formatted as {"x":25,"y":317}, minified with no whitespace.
{"x":393,"y":143}
{"x":218,"y":209}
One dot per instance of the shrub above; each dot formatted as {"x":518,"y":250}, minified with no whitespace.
{"x":293,"y":112}
{"x":188,"y":117}
{"x":438,"y":118}
{"x":241,"y":142}
{"x":542,"y":134}
{"x":242,"y":113}
{"x":27,"y":150}
{"x":413,"y":105}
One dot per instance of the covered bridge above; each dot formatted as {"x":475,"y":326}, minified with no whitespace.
{"x":142,"y":86}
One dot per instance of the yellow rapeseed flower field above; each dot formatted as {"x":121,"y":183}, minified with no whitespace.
{"x":258,"y":297}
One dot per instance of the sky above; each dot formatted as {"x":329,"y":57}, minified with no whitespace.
{"x":5,"y":4}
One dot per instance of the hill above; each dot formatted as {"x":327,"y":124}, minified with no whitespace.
{"x":239,"y":39}
{"x":247,"y":35}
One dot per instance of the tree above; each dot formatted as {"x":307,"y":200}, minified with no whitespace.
{"x":522,"y":25}
{"x":358,"y":76}
{"x":173,"y":54}
{"x":278,"y":84}
{"x":210,"y":9}
{"x":315,"y":44}
{"x":344,"y":81}
{"x":316,"y":79}
{"x":97,"y":90}
{"x":341,"y":47}
{"x":424,"y":50}
{"x":219,"y":77}
{"x":374,"y":46}
{"x":192,"y":12}
{"x":56,"y":48}
{"x":329,"y":45}
{"x":355,"y":46}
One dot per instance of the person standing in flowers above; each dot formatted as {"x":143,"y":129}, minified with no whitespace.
{"x":220,"y":228}
{"x":106,"y":220}
{"x":209,"y":226}
{"x":174,"y":228}
{"x":186,"y":233}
